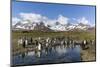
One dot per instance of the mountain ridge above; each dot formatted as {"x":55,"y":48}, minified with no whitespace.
{"x":42,"y":26}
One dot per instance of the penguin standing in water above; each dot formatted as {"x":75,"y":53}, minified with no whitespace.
{"x":84,"y":44}
{"x":74,"y":44}
{"x":47,"y":42}
{"x":39,"y":47}
{"x":31,"y":40}
{"x":24,"y":44}
{"x":70,"y":43}
{"x":20,"y":41}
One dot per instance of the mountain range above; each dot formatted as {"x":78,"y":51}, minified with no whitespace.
{"x":57,"y":26}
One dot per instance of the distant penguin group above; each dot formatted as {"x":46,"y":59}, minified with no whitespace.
{"x":41,"y":43}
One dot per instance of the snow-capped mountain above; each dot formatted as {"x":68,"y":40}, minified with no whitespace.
{"x":33,"y":21}
{"x":30,"y":26}
{"x":46,"y":27}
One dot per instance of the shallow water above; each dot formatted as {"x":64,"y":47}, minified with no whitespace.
{"x":56,"y":54}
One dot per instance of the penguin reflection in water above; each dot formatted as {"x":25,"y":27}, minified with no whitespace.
{"x":23,"y":55}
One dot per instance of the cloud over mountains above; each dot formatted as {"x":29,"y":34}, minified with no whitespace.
{"x":59,"y":23}
{"x":37,"y":18}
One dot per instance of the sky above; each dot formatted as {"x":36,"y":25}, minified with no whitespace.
{"x":62,"y":12}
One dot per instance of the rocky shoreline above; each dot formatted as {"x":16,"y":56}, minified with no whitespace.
{"x":89,"y":54}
